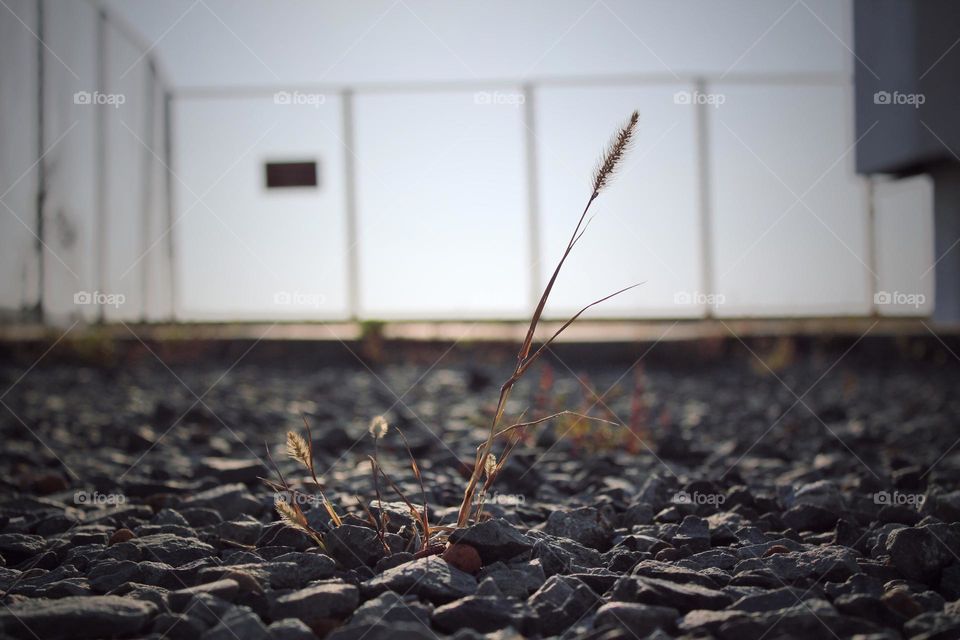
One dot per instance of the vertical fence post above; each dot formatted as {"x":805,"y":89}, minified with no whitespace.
{"x":168,"y":200}
{"x":100,"y":161}
{"x":147,"y":190}
{"x":533,"y":191}
{"x":41,"y":164}
{"x":350,"y":201}
{"x":702,"y":128}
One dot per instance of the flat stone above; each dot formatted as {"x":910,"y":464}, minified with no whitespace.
{"x":317,"y":604}
{"x":484,"y":614}
{"x":225,"y":589}
{"x":76,"y":617}
{"x":290,"y":629}
{"x":685,"y":597}
{"x":230,"y":501}
{"x":430,"y":578}
{"x":637,"y":619}
{"x":917,"y":553}
{"x":494,"y":540}
{"x":581,"y":525}
{"x":238,"y":622}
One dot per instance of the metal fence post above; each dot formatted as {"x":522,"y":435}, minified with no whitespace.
{"x":350,"y":202}
{"x":702,"y":128}
{"x":533,"y":191}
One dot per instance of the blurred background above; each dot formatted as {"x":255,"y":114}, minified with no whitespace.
{"x":220,"y":161}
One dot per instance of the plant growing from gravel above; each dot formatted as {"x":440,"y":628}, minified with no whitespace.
{"x":527,"y":356}
{"x":487,"y":465}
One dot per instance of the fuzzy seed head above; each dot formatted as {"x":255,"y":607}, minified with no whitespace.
{"x":297,"y":448}
{"x":378,"y":427}
{"x":618,"y":147}
{"x":289,"y":514}
{"x":490,"y":465}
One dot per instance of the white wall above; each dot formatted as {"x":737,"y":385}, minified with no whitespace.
{"x":442,"y":177}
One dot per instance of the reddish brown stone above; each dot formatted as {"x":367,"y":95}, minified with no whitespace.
{"x":463,"y":557}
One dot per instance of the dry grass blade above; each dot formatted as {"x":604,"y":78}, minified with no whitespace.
{"x":614,"y":154}
{"x":532,"y":423}
{"x":414,"y":512}
{"x":425,"y":523}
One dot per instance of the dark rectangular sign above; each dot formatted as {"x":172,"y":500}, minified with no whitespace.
{"x":291,"y":174}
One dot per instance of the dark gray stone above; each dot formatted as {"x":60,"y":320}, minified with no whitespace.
{"x":481,"y":613}
{"x":238,"y":622}
{"x":581,"y":525}
{"x":290,"y":629}
{"x":225,"y":589}
{"x":637,"y":619}
{"x":230,"y":501}
{"x":76,"y":617}
{"x":685,"y":597}
{"x":494,"y":540}
{"x":430,"y":578}
{"x":317,"y":604}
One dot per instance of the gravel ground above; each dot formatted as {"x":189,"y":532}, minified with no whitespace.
{"x":819,"y":500}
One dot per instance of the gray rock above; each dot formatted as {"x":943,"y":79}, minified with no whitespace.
{"x":354,"y":546}
{"x":918,"y":553}
{"x":238,"y":622}
{"x":278,"y":575}
{"x":178,"y":626}
{"x":582,"y":525}
{"x":389,"y":608}
{"x":685,"y":597}
{"x":517,"y":580}
{"x":809,"y":517}
{"x":169,"y":548}
{"x":232,"y":470}
{"x":705,"y":620}
{"x":481,"y":613}
{"x":108,"y":575}
{"x":317,"y":604}
{"x":559,"y":603}
{"x":430,"y":578}
{"x":230,"y":501}
{"x":772,"y":600}
{"x":225,"y":589}
{"x":637,"y":619}
{"x":310,"y":566}
{"x":694,"y":533}
{"x":812,"y":619}
{"x":16,"y":547}
{"x":494,"y":540}
{"x":822,"y":493}
{"x":673,"y":573}
{"x":76,"y":617}
{"x":290,"y":629}
{"x":245,"y":531}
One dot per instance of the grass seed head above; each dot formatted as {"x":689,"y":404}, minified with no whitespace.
{"x":378,"y":427}
{"x":614,"y":154}
{"x":297,"y":448}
